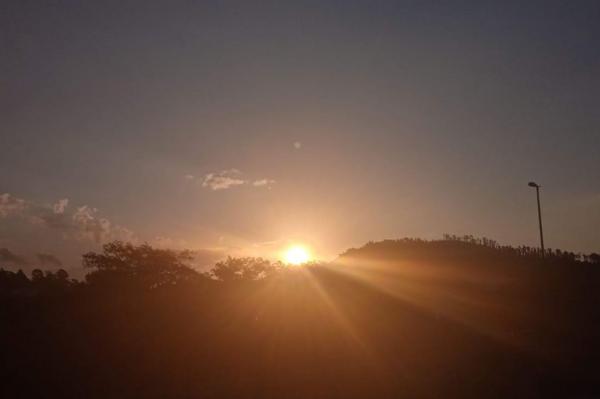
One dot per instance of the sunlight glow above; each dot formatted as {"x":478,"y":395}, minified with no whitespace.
{"x":297,"y":255}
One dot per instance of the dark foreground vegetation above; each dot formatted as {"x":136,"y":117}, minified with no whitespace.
{"x":408,"y":318}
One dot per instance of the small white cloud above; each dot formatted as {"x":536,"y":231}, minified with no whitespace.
{"x":99,"y":230}
{"x":189,"y":177}
{"x":229,"y":178}
{"x":11,"y":205}
{"x":89,"y":225}
{"x":297,"y":145}
{"x":223,"y":180}
{"x":60,"y":206}
{"x":263,"y":183}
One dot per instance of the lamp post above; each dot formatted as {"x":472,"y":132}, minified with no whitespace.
{"x":537,"y":192}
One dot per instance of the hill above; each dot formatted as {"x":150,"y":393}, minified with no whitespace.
{"x":402,"y":318}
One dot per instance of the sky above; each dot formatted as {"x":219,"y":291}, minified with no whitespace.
{"x":243,"y":127}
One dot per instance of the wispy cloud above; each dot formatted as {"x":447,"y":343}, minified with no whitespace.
{"x":60,"y":206}
{"x":81,"y":222}
{"x":11,"y":205}
{"x":6,"y":256}
{"x":89,"y":226}
{"x":223,"y":180}
{"x":227,"y":179}
{"x":263,"y":183}
{"x":169,"y":243}
{"x":48,"y":260}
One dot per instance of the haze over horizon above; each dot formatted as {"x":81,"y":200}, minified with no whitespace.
{"x":231,"y":128}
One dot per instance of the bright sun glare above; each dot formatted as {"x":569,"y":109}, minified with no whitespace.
{"x":297,"y":255}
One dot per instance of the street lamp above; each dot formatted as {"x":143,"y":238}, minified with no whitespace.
{"x":537,"y":192}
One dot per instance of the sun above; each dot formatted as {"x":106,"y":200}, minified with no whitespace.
{"x":297,"y":255}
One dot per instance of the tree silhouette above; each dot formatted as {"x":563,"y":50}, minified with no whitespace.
{"x":244,"y":269}
{"x":37,"y":275}
{"x":142,"y":266}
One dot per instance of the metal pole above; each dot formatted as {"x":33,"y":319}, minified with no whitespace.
{"x":537,"y":191}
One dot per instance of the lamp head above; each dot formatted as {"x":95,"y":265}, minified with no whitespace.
{"x":533,"y":184}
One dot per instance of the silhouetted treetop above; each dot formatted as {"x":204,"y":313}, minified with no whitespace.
{"x":143,"y":265}
{"x":42,"y":282}
{"x":466,"y":246}
{"x":244,"y":269}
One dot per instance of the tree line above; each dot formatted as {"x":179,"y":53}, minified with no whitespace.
{"x":144,"y":267}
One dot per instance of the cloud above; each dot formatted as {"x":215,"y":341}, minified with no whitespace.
{"x":82,"y":223}
{"x":6,"y":256}
{"x":60,"y":206}
{"x":223,"y":180}
{"x":89,"y":225}
{"x":263,"y":183}
{"x":11,"y":205}
{"x":227,"y":179}
{"x":48,"y":260}
{"x":270,"y":243}
{"x":169,"y":243}
{"x":51,"y":216}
